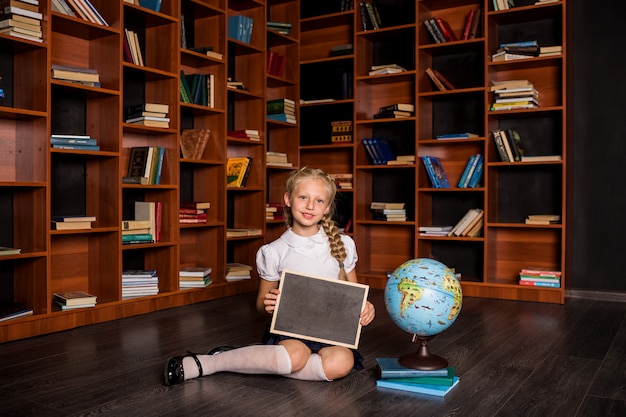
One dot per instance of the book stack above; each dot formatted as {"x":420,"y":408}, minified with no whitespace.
{"x":550,"y":50}
{"x":370,"y":18}
{"x":470,"y":178}
{"x":148,"y":114}
{"x":280,"y":27}
{"x":274,"y":211}
{"x":150,"y":211}
{"x":514,"y":95}
{"x":439,"y":30}
{"x":194,"y":277}
{"x":74,"y":299}
{"x":543,"y":219}
{"x":459,"y":135}
{"x":439,"y":81}
{"x":132,"y":48}
{"x":236,"y":271}
{"x":145,"y":164}
{"x":282,"y":110}
{"x":435,"y":171}
{"x":539,"y":277}
{"x":139,"y":283}
{"x":341,"y":131}
{"x":197,"y":89}
{"x":387,"y":211}
{"x":343,"y":181}
{"x":343,"y":49}
{"x":72,"y":222}
{"x":12,"y":310}
{"x":235,"y":85}
{"x":243,"y":231}
{"x":240,"y":28}
{"x":395,"y":111}
{"x":78,"y":8}
{"x":277,"y":159}
{"x":395,"y":376}
{"x":193,"y":142}
{"x":7,"y":250}
{"x":135,"y":229}
{"x":386,"y":69}
{"x":508,"y":144}
{"x":276,"y":63}
{"x":470,"y":225}
{"x":378,"y":150}
{"x":77,"y":142}
{"x":21,"y":19}
{"x":78,"y":75}
{"x":237,"y":171}
{"x":516,"y":50}
{"x":251,"y":134}
{"x":402,"y":160}
{"x":193,"y":212}
{"x":435,"y":230}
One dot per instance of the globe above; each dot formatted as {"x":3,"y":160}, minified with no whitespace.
{"x":423,"y":297}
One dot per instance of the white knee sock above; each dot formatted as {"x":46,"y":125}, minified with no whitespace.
{"x":256,"y":359}
{"x":312,"y":371}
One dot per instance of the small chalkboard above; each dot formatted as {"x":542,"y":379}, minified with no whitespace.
{"x":319,"y":309}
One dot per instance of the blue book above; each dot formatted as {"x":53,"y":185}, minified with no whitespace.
{"x":437,"y":390}
{"x":521,"y":43}
{"x":391,"y":368}
{"x":77,"y":147}
{"x":466,"y":172}
{"x":374,"y":157}
{"x":384,"y":150}
{"x":72,"y":141}
{"x":151,"y":4}
{"x":235,"y":27}
{"x":435,"y":170}
{"x":463,"y":135}
{"x":477,"y":173}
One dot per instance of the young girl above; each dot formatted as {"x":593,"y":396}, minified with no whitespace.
{"x":312,"y":244}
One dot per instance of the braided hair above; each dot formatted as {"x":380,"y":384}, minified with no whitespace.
{"x":337,"y":248}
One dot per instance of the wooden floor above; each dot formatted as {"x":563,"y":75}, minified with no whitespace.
{"x":514,"y":359}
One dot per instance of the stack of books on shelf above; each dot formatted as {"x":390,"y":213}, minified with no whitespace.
{"x":135,"y":230}
{"x":274,"y":211}
{"x":76,"y":142}
{"x":7,"y":250}
{"x":439,"y":30}
{"x":193,"y":212}
{"x":341,"y":131}
{"x":79,"y":8}
{"x":148,"y":114}
{"x":395,"y":111}
{"x":72,"y":222}
{"x":402,"y":160}
{"x":456,"y":135}
{"x":435,"y":171}
{"x":343,"y":181}
{"x":276,"y":63}
{"x":282,"y":110}
{"x":139,"y":283}
{"x":386,"y":69}
{"x":193,"y":142}
{"x":132,"y":48}
{"x":277,"y":159}
{"x":388,"y":211}
{"x":514,"y":95}
{"x":470,"y":225}
{"x":150,"y":211}
{"x":543,"y":219}
{"x":435,"y":230}
{"x":540,"y":277}
{"x":280,"y":27}
{"x":436,"y":382}
{"x":251,"y":134}
{"x":236,"y":271}
{"x":516,"y":50}
{"x":194,"y":277}
{"x":13,"y":310}
{"x":342,"y":49}
{"x":243,"y":231}
{"x":205,"y":50}
{"x":508,"y":145}
{"x":78,"y":75}
{"x":550,"y":50}
{"x":503,"y":4}
{"x":197,"y":89}
{"x":235,"y":85}
{"x":21,"y":19}
{"x":378,"y":151}
{"x":74,"y":299}
{"x":240,"y":28}
{"x":439,"y":80}
{"x":237,"y":171}
{"x":370,"y":18}
{"x":145,"y":164}
{"x":470,"y":178}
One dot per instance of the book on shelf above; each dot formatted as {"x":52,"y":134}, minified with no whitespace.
{"x":194,"y":282}
{"x":148,"y":211}
{"x":7,"y":250}
{"x":471,"y":29}
{"x":341,"y":49}
{"x":468,"y":170}
{"x":196,"y":205}
{"x":276,"y":63}
{"x":154,"y":5}
{"x":446,"y":30}
{"x":541,"y":158}
{"x":544,"y":219}
{"x":65,"y":72}
{"x":386,"y":69}
{"x":459,"y":135}
{"x":476,"y":172}
{"x":405,"y":107}
{"x":240,"y":28}
{"x":67,"y":140}
{"x":236,"y":271}
{"x":7,"y":7}
{"x":467,"y":222}
{"x":237,"y":171}
{"x":429,"y":389}
{"x":145,"y":164}
{"x":438,"y":83}
{"x":435,"y":230}
{"x":391,"y":368}
{"x":85,"y":225}
{"x":370,"y":17}
{"x":393,"y":114}
{"x":386,"y":205}
{"x":74,"y":218}
{"x":193,"y":142}
{"x":252,"y":134}
{"x":146,"y":109}
{"x":14,"y":310}
{"x":243,"y":231}
{"x":132,"y":225}
{"x":433,"y":31}
{"x":435,"y":171}
{"x":74,"y":298}
{"x":132,"y":38}
{"x":61,"y":6}
{"x":195,"y":271}
{"x":283,"y":117}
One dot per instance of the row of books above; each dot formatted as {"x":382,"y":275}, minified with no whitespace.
{"x":470,"y":225}
{"x":281,"y":110}
{"x":276,"y":63}
{"x":370,"y":17}
{"x":139,"y":283}
{"x":197,"y":89}
{"x":439,"y":81}
{"x":540,"y":277}
{"x":436,"y":382}
{"x":280,"y":27}
{"x":237,"y":171}
{"x":21,"y":19}
{"x":79,"y":8}
{"x":341,"y":131}
{"x":72,"y":222}
{"x":235,"y":85}
{"x":277,"y":159}
{"x":194,"y":277}
{"x":193,"y":142}
{"x":387,"y":211}
{"x":274,"y":211}
{"x":470,"y":178}
{"x":439,"y":30}
{"x":240,"y":28}
{"x":79,"y":75}
{"x":378,"y":150}
{"x":193,"y":212}
{"x":145,"y":164}
{"x":132,"y":48}
{"x":76,"y":142}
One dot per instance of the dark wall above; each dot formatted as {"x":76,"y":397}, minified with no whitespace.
{"x":597,"y":100}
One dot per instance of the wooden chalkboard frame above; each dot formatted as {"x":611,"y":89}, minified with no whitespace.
{"x":319,"y":309}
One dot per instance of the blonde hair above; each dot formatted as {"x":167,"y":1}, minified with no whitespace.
{"x":337,"y":248}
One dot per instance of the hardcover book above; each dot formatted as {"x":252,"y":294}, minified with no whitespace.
{"x":236,"y":169}
{"x":72,"y":298}
{"x":391,"y":368}
{"x":437,"y":390}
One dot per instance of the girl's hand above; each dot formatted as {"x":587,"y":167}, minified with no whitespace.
{"x":368,"y":313}
{"x":270,"y":300}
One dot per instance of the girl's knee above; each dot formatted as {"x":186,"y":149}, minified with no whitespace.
{"x":337,"y":362}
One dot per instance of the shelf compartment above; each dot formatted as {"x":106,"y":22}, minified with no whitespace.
{"x":317,"y":37}
{"x":446,"y":208}
{"x":465,"y":256}
{"x":204,"y":246}
{"x":24,"y":280}
{"x":386,"y":246}
{"x":451,"y":113}
{"x":454,"y":155}
{"x":452,"y":11}
{"x":390,"y":184}
{"x":23,"y":149}
{"x":169,"y":210}
{"x":315,"y":121}
{"x":23,"y":218}
{"x":194,"y":178}
{"x":202,"y":24}
{"x":160,"y":258}
{"x":24,"y":68}
{"x":385,"y":46}
{"x":383,"y":91}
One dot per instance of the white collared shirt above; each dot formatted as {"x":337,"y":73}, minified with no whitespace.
{"x":308,"y":255}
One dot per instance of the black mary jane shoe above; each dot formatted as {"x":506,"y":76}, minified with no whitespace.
{"x":174,"y":371}
{"x":219,"y":349}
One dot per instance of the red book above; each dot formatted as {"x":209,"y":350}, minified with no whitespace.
{"x":158,"y":215}
{"x":444,"y":80}
{"x":445,"y":29}
{"x":468,"y":24}
{"x":271,"y":55}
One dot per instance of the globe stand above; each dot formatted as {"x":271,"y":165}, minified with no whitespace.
{"x":423,"y":359}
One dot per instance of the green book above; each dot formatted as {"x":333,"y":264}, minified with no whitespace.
{"x":447,"y":380}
